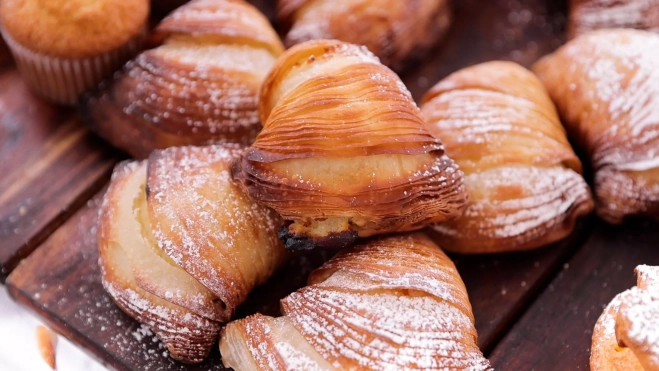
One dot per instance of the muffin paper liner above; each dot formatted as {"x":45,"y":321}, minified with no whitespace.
{"x":62,"y":80}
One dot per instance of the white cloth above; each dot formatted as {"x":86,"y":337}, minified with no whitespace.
{"x":18,"y":343}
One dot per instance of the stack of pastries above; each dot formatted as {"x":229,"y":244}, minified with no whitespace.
{"x":322,"y":146}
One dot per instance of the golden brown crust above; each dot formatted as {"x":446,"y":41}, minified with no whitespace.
{"x":207,"y":226}
{"x":187,"y":336}
{"x":349,"y":317}
{"x":47,"y":343}
{"x":392,"y":30}
{"x":199,"y":87}
{"x":73,"y":29}
{"x":344,"y":152}
{"x":523,"y":178}
{"x":590,"y":15}
{"x":625,"y":336}
{"x":604,"y":85}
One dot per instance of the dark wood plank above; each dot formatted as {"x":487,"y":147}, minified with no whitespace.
{"x":484,"y":30}
{"x":502,"y":286}
{"x":555,"y":333}
{"x":50,"y":165}
{"x":61,"y":283}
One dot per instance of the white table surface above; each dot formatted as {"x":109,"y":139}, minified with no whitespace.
{"x":18,"y":344}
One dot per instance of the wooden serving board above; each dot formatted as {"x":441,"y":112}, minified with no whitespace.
{"x":531,"y":312}
{"x":49,"y":166}
{"x":558,"y":327}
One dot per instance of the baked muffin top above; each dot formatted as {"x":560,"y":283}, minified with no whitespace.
{"x":73,"y":29}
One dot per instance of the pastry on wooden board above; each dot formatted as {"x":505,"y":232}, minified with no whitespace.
{"x":590,"y":15}
{"x":64,"y":48}
{"x":198,"y":87}
{"x":524,"y":180}
{"x":626,"y":336}
{"x":344,"y":152}
{"x":390,"y":303}
{"x":393,"y":30}
{"x":605,"y":86}
{"x":180,"y":247}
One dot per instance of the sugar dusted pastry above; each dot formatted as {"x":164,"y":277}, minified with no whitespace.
{"x":180,"y":247}
{"x":392,"y":30}
{"x":392,"y":303}
{"x":589,"y":15}
{"x":524,"y":180}
{"x":626,"y":336}
{"x":187,"y":333}
{"x":208,"y":226}
{"x":344,"y":152}
{"x":606,"y":87}
{"x":199,"y":86}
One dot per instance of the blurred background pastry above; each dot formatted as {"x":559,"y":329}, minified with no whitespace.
{"x":393,"y":30}
{"x":198,"y":87}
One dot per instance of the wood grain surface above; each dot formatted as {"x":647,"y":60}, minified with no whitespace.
{"x":49,"y":164}
{"x":555,"y":333}
{"x":61,"y":283}
{"x":533,"y":310}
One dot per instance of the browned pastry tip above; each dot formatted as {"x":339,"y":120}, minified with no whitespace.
{"x":589,"y":15}
{"x":393,"y":30}
{"x":625,"y":336}
{"x":198,"y":87}
{"x":524,"y":180}
{"x":187,"y":334}
{"x":349,"y":317}
{"x":47,"y":344}
{"x":206,"y":225}
{"x":605,"y":87}
{"x":344,"y":152}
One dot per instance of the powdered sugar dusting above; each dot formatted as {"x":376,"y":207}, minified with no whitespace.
{"x":618,"y":71}
{"x":597,"y":14}
{"x":369,"y":308}
{"x":207,"y":225}
{"x":518,"y":202}
{"x":630,"y":321}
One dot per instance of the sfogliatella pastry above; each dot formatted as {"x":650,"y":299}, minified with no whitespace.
{"x":199,"y":87}
{"x":392,"y":30}
{"x":392,"y":303}
{"x":344,"y":152}
{"x":626,"y":334}
{"x":606,"y":87}
{"x":524,"y":180}
{"x":184,"y":310}
{"x":590,"y":15}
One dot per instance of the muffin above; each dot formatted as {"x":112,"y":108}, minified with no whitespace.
{"x":64,"y":47}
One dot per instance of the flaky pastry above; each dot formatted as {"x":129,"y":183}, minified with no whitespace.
{"x":181,"y":247}
{"x":626,"y":336}
{"x":392,"y":303}
{"x":590,"y":15}
{"x":198,"y":87}
{"x":606,"y":87}
{"x":392,"y":30}
{"x":344,"y":152}
{"x":524,"y":180}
